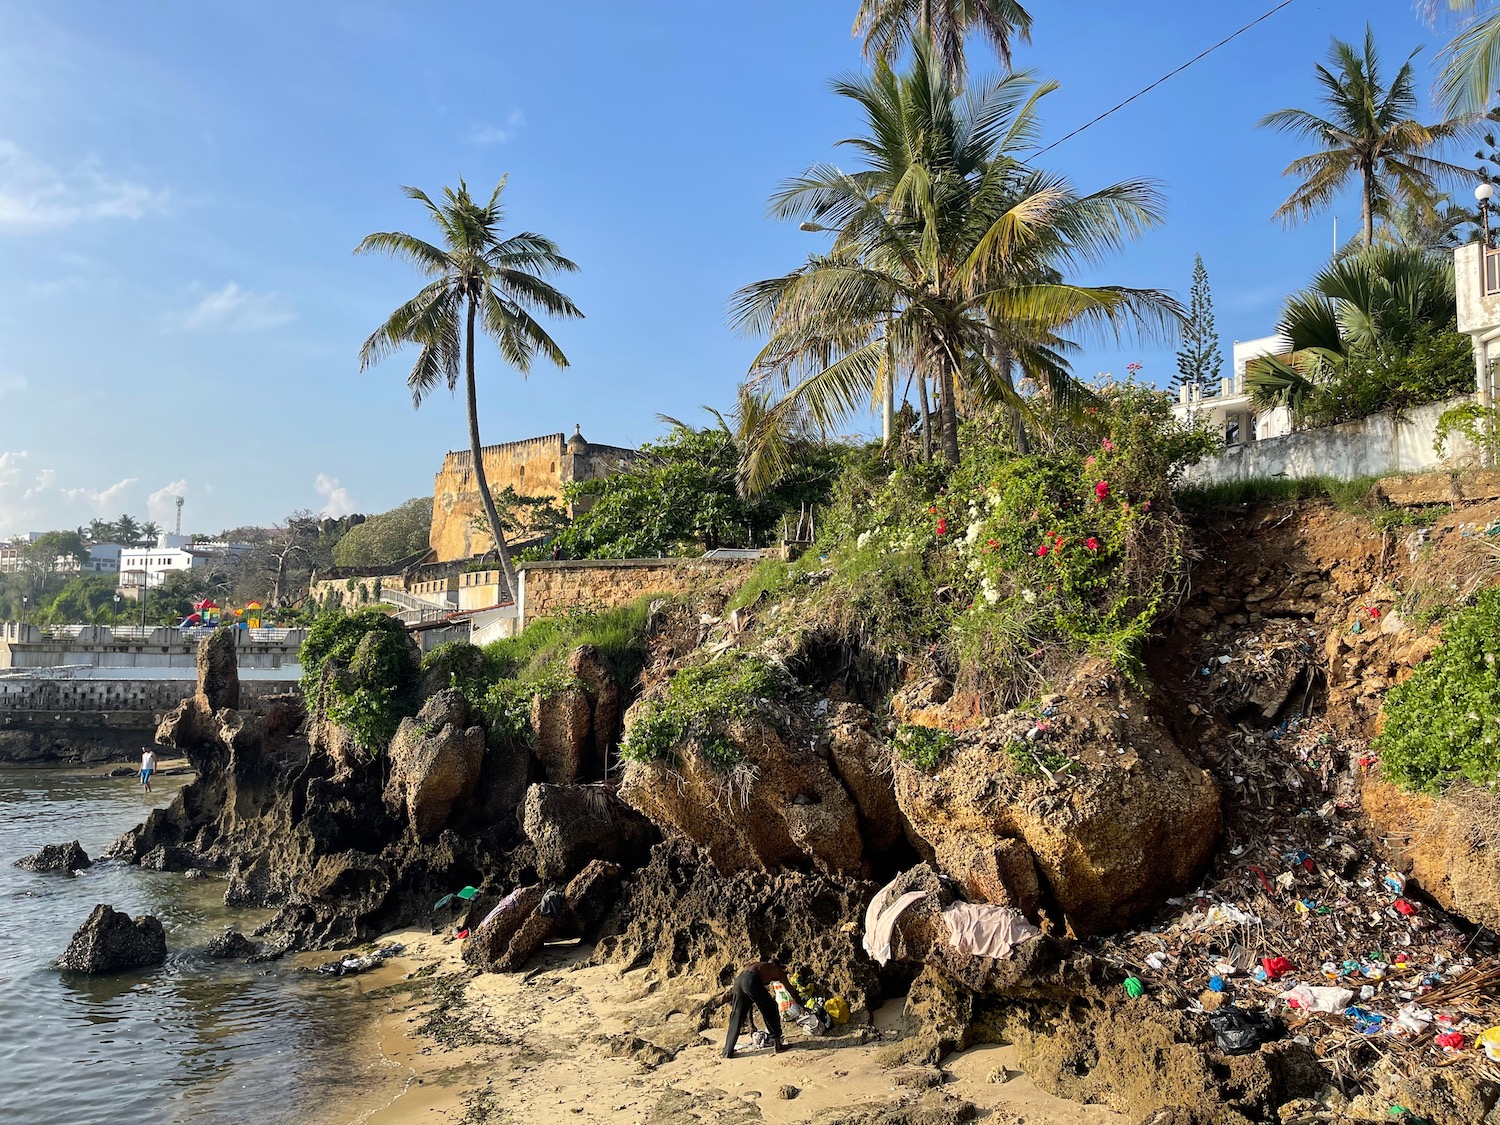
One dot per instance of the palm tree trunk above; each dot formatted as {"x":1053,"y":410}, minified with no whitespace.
{"x":1367,"y":205}
{"x":949,"y":409}
{"x":497,"y":532}
{"x":926,"y":415}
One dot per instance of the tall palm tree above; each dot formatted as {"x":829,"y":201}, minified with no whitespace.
{"x":1370,"y":135}
{"x":150,"y":530}
{"x":949,"y":260}
{"x":126,"y":530}
{"x":888,"y":26}
{"x":479,"y":278}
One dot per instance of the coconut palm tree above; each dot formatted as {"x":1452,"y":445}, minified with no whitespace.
{"x":126,"y":530}
{"x":888,"y":26}
{"x":1471,"y":60}
{"x":479,"y":278}
{"x":1369,"y":135}
{"x":949,"y":260}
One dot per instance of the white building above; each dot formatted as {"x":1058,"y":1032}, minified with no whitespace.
{"x":1228,"y":409}
{"x":102,"y":558}
{"x":149,"y":566}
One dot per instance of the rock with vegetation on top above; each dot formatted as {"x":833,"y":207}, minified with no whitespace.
{"x":435,"y":763}
{"x":780,"y":804}
{"x":569,"y":825}
{"x":1115,"y":817}
{"x":111,"y":942}
{"x":65,"y":858}
{"x":862,"y":761}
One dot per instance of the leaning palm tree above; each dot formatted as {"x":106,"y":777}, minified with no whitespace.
{"x":888,"y":26}
{"x":479,"y":278}
{"x":1369,"y":135}
{"x":949,"y":263}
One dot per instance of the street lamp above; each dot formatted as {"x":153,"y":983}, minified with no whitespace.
{"x":117,"y":607}
{"x":24,"y":601}
{"x":1484,"y":193}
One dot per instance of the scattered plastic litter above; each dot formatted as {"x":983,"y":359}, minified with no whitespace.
{"x":352,"y":966}
{"x":1134,"y":987}
{"x":1238,"y":1031}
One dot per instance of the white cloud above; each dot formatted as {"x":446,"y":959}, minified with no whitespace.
{"x":233,"y":309}
{"x":336,"y":499}
{"x":34,"y":501}
{"x":498,"y":134}
{"x":36,"y":197}
{"x":161,"y":505}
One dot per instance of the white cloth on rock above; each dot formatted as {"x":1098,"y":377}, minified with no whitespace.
{"x":987,"y":931}
{"x":880,"y":920}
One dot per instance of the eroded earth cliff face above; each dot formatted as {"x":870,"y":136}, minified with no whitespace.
{"x":1099,"y":811}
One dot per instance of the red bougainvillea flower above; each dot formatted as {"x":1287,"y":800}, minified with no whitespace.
{"x":942,"y":526}
{"x":1041,"y":551}
{"x":992,"y":543}
{"x":1146,"y":507}
{"x":1108,"y":446}
{"x":932,"y":511}
{"x":1091,"y":543}
{"x":1089,"y":460}
{"x":1101,"y":491}
{"x":1132,"y":367}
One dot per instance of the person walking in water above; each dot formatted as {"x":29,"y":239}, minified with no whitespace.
{"x":752,"y":986}
{"x":148,"y":767}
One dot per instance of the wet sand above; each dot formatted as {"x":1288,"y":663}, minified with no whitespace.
{"x":568,"y":1041}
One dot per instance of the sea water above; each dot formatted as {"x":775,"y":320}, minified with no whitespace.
{"x":192,"y":1040}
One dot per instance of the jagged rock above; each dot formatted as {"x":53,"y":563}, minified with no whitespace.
{"x":527,"y":939}
{"x":782,"y":806}
{"x":66,"y":858}
{"x":588,"y":666}
{"x":564,"y":739}
{"x":1450,"y":845}
{"x":863,"y":764}
{"x":435,"y":763}
{"x":686,"y":918}
{"x":110,"y":942}
{"x":219,"y":671}
{"x":572,"y":824}
{"x":191,"y":725}
{"x":168,"y":858}
{"x":231,"y":945}
{"x":1129,"y":822}
{"x":591,"y":893}
{"x":487,"y":945}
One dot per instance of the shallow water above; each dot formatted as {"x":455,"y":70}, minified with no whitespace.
{"x":194,"y":1040}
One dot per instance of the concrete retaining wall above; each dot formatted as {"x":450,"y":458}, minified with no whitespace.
{"x":1375,"y":446}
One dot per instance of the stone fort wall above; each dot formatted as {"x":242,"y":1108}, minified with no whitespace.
{"x":551,"y":588}
{"x":538,"y":466}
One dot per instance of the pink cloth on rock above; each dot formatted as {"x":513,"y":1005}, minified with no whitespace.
{"x":987,"y":931}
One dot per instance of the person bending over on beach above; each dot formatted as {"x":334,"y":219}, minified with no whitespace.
{"x":752,"y":986}
{"x":148,"y":767}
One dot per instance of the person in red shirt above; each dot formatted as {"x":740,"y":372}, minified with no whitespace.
{"x":753,"y":986}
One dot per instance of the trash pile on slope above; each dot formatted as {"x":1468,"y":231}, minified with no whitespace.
{"x":1300,"y":922}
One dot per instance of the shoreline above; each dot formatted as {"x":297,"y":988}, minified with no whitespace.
{"x":584,"y":1042}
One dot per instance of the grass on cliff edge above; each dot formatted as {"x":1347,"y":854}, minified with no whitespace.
{"x":541,"y":652}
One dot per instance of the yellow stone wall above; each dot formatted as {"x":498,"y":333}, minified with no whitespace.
{"x":537,"y":466}
{"x":550,"y":588}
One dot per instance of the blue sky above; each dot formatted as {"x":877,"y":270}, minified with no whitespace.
{"x":181,"y":187}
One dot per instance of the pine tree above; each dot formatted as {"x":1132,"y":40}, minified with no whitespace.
{"x":1199,"y":360}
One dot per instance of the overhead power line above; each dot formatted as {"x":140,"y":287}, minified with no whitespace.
{"x":1141,"y":93}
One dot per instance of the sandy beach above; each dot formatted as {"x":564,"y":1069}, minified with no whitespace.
{"x":572,"y":1041}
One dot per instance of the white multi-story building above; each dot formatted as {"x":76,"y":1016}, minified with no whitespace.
{"x":1228,"y":409}
{"x":102,"y":558}
{"x":149,"y":566}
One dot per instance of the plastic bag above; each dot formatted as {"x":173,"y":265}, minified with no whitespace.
{"x":837,"y":1008}
{"x":1238,"y":1031}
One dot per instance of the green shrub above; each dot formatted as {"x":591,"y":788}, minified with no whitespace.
{"x":378,"y":672}
{"x":924,"y":747}
{"x":1443,"y":723}
{"x":699,"y":705}
{"x":1437,"y":364}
